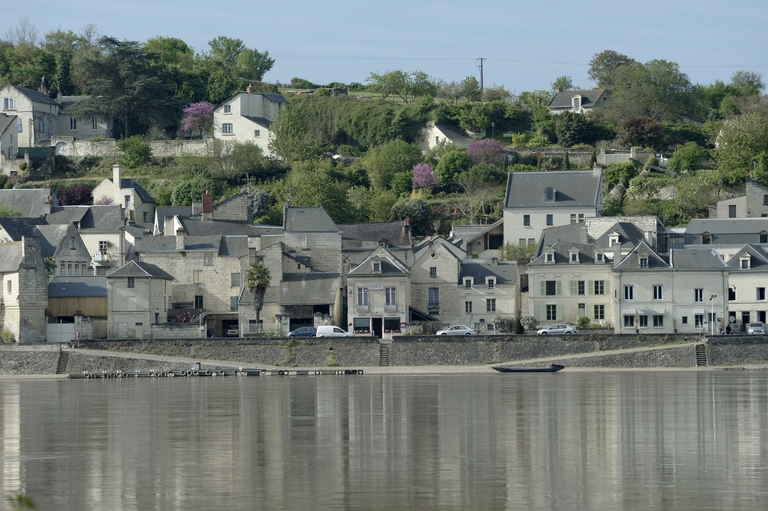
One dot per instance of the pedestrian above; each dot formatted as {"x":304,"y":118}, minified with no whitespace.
{"x":728,"y":330}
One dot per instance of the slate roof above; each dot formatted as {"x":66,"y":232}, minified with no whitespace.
{"x":199,"y":227}
{"x":10,"y":256}
{"x":16,"y":227}
{"x":37,"y":97}
{"x":725,"y":231}
{"x":629,"y":234}
{"x":309,"y":219}
{"x":453,"y":132}
{"x":390,"y":266}
{"x":6,"y":121}
{"x":261,"y":121}
{"x":138,"y":269}
{"x":655,"y":261}
{"x":90,"y":219}
{"x":758,"y":259}
{"x":127,"y":183}
{"x":374,"y":234}
{"x":562,"y":254}
{"x":426,"y":245}
{"x":695,"y":259}
{"x":161,"y":212}
{"x":562,"y":99}
{"x":67,"y":101}
{"x":30,"y":202}
{"x":69,"y":287}
{"x":233,"y":246}
{"x":51,"y":237}
{"x":309,"y":288}
{"x":573,"y":188}
{"x":505,"y":272}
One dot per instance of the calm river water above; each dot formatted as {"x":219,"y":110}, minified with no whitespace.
{"x":568,"y":441}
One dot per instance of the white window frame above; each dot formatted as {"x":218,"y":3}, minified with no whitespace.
{"x":227,"y":128}
{"x":362,"y":297}
{"x":390,"y":296}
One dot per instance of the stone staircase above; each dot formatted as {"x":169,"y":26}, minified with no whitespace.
{"x":384,"y":353}
{"x":701,"y":355}
{"x":61,"y":365}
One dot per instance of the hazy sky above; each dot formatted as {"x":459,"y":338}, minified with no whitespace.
{"x":527,"y":45}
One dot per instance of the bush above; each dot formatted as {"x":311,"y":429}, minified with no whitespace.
{"x":529,"y":322}
{"x":583,"y":322}
{"x":135,"y":152}
{"x":23,"y":166}
{"x":7,"y":336}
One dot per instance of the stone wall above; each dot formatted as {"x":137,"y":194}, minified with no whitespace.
{"x":66,"y":146}
{"x":19,"y":360}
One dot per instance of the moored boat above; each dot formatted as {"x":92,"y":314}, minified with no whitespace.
{"x":549,"y":369}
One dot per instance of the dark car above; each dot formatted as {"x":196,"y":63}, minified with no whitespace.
{"x":304,"y":331}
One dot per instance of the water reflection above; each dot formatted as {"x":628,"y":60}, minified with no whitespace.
{"x":631,"y":441}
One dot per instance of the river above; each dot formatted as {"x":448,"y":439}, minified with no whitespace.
{"x":646,"y":440}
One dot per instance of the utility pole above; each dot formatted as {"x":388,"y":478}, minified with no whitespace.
{"x":481,"y":74}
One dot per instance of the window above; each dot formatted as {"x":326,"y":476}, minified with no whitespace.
{"x":233,"y":303}
{"x":760,"y":294}
{"x":362,"y":297}
{"x":531,"y":241}
{"x":144,"y":216}
{"x":234,"y":280}
{"x":256,"y":133}
{"x":549,"y":194}
{"x":599,"y":312}
{"x":526,"y":220}
{"x":208,"y":259}
{"x":581,"y":217}
{"x":698,"y":294}
{"x":706,"y":239}
{"x":468,"y":283}
{"x":72,"y":124}
{"x":198,"y":301}
{"x":127,"y":202}
{"x":433,"y":272}
{"x":629,"y":292}
{"x":468,"y":307}
{"x":362,"y":324}
{"x":551,"y":310}
{"x":582,"y":309}
{"x":732,"y":211}
{"x":491,"y":283}
{"x":40,"y":124}
{"x":643,"y":262}
{"x":197,"y":276}
{"x":658,"y":292}
{"x":390,"y":296}
{"x":698,"y":320}
{"x":599,"y":257}
{"x":521,"y":242}
{"x":377,"y":267}
{"x":550,"y":219}
{"x":577,"y":287}
{"x":550,"y":257}
{"x":762,"y":237}
{"x":629,"y":321}
{"x":574,"y":257}
{"x":392,"y":324}
{"x":9,"y":104}
{"x":573,"y":218}
{"x":599,"y":287}
{"x":745,"y":263}
{"x":227,"y":128}
{"x":576,"y":101}
{"x":10,"y":287}
{"x":658,"y":320}
{"x":227,"y":109}
{"x":94,"y":123}
{"x":103,"y":246}
{"x":131,"y":282}
{"x":550,"y":287}
{"x":19,"y":125}
{"x":433,"y":298}
{"x":643,"y":321}
{"x":684,"y":320}
{"x":490,"y":305}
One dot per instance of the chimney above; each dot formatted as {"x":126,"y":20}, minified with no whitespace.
{"x":180,"y":236}
{"x":207,"y":206}
{"x":249,"y":89}
{"x":48,"y":193}
{"x":286,"y":206}
{"x":116,"y":175}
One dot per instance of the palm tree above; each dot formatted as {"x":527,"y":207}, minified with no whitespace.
{"x":257,"y":282}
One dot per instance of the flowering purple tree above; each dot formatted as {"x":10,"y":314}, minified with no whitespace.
{"x":486,"y":151}
{"x":424,"y":177}
{"x":198,"y":118}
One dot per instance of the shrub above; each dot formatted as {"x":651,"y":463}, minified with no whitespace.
{"x":7,"y":336}
{"x":529,"y":322}
{"x":23,"y":166}
{"x":135,"y":152}
{"x":582,"y":322}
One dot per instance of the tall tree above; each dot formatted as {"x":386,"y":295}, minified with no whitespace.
{"x":230,"y":66}
{"x":604,"y":65}
{"x":562,"y":82}
{"x":406,"y":86}
{"x":257,"y":281}
{"x":123,"y":85}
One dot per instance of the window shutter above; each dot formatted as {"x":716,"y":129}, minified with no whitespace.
{"x":543,"y":288}
{"x":607,"y":287}
{"x":558,"y":287}
{"x":542,"y":312}
{"x":574,"y":287}
{"x":559,"y":312}
{"x":591,"y":287}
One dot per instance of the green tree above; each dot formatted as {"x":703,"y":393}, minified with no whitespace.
{"x":310,"y":183}
{"x":122,"y":84}
{"x":470,"y":89}
{"x":739,"y":143}
{"x":406,"y":86}
{"x":385,"y":161}
{"x":572,"y":128}
{"x":522,"y":254}
{"x":230,"y":66}
{"x":257,"y":280}
{"x":562,"y":83}
{"x":640,"y":131}
{"x":603,"y":67}
{"x":417,"y":210}
{"x":689,"y":156}
{"x":135,"y":152}
{"x":451,"y":165}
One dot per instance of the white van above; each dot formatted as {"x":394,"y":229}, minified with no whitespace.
{"x":332,"y":331}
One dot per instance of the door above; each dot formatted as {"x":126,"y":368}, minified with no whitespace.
{"x":376,"y":327}
{"x":744,"y":321}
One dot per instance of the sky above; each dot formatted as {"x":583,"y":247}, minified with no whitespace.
{"x":525,"y":46}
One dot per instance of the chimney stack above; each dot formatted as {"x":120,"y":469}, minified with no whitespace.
{"x":180,"y":238}
{"x":116,"y":175}
{"x":207,"y":206}
{"x":249,"y":89}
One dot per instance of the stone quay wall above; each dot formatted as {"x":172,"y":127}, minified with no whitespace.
{"x":585,"y":351}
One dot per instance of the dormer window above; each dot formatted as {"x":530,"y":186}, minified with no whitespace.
{"x":549,"y":255}
{"x":599,"y":257}
{"x":746,"y":262}
{"x":549,"y":194}
{"x":468,"y":283}
{"x":491,"y":283}
{"x":376,"y":267}
{"x":576,"y":103}
{"x":706,"y":238}
{"x":643,"y":261}
{"x":762,"y":237}
{"x":573,"y":256}
{"x":613,"y":239}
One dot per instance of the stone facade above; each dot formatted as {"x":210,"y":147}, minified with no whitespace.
{"x":435,"y":281}
{"x":68,"y":146}
{"x":24,"y":290}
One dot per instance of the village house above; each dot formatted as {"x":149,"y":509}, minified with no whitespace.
{"x":24,"y":293}
{"x":577,"y":101}
{"x":138,"y":296}
{"x":139,"y":205}
{"x":247,"y":117}
{"x":76,"y":305}
{"x":753,"y":204}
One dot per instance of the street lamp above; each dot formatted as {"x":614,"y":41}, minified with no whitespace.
{"x":712,"y":313}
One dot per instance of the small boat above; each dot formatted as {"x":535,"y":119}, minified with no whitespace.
{"x":550,"y":369}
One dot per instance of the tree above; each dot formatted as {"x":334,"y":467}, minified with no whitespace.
{"x":687,"y":157}
{"x":640,"y":131}
{"x":470,"y":89}
{"x":424,"y":177}
{"x":487,"y":151}
{"x":406,"y":86}
{"x":522,"y":254}
{"x":603,"y":66}
{"x":123,"y":85}
{"x":135,"y":152}
{"x":739,"y":143}
{"x":310,"y":183}
{"x":562,"y":83}
{"x":475,"y":197}
{"x":747,"y":83}
{"x":572,"y":128}
{"x":75,"y":195}
{"x":387,"y":160}
{"x":198,"y":119}
{"x":418,"y":211}
{"x":257,"y":281}
{"x":230,"y":66}
{"x":451,"y":165}
{"x":496,"y":93}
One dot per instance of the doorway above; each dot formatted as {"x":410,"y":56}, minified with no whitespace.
{"x":376,"y":327}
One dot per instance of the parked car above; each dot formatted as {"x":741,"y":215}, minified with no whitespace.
{"x":557,"y":330}
{"x":332,"y":331}
{"x":232,"y":331}
{"x":458,"y":330}
{"x":303,"y":331}
{"x":756,"y":328}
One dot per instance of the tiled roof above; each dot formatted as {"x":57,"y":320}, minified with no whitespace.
{"x":6,"y":121}
{"x":10,"y":256}
{"x":137,"y":269}
{"x":37,"y":97}
{"x":573,"y":188}
{"x":309,"y":288}
{"x":261,"y":121}
{"x":374,"y":233}
{"x":505,"y":272}
{"x":65,"y":287}
{"x":309,"y":219}
{"x":588,"y":98}
{"x":30,"y":202}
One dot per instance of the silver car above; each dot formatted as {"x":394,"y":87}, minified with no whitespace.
{"x":458,"y":330}
{"x":756,"y":328}
{"x":557,"y":330}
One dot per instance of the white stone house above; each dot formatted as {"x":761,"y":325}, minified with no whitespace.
{"x":138,"y":204}
{"x":247,"y":117}
{"x":433,"y":135}
{"x":138,"y":295}
{"x":79,"y":129}
{"x":538,"y":200}
{"x":577,"y":101}
{"x":747,"y":283}
{"x":24,"y":293}
{"x":487,"y":290}
{"x":435,"y":280}
{"x":36,"y":115}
